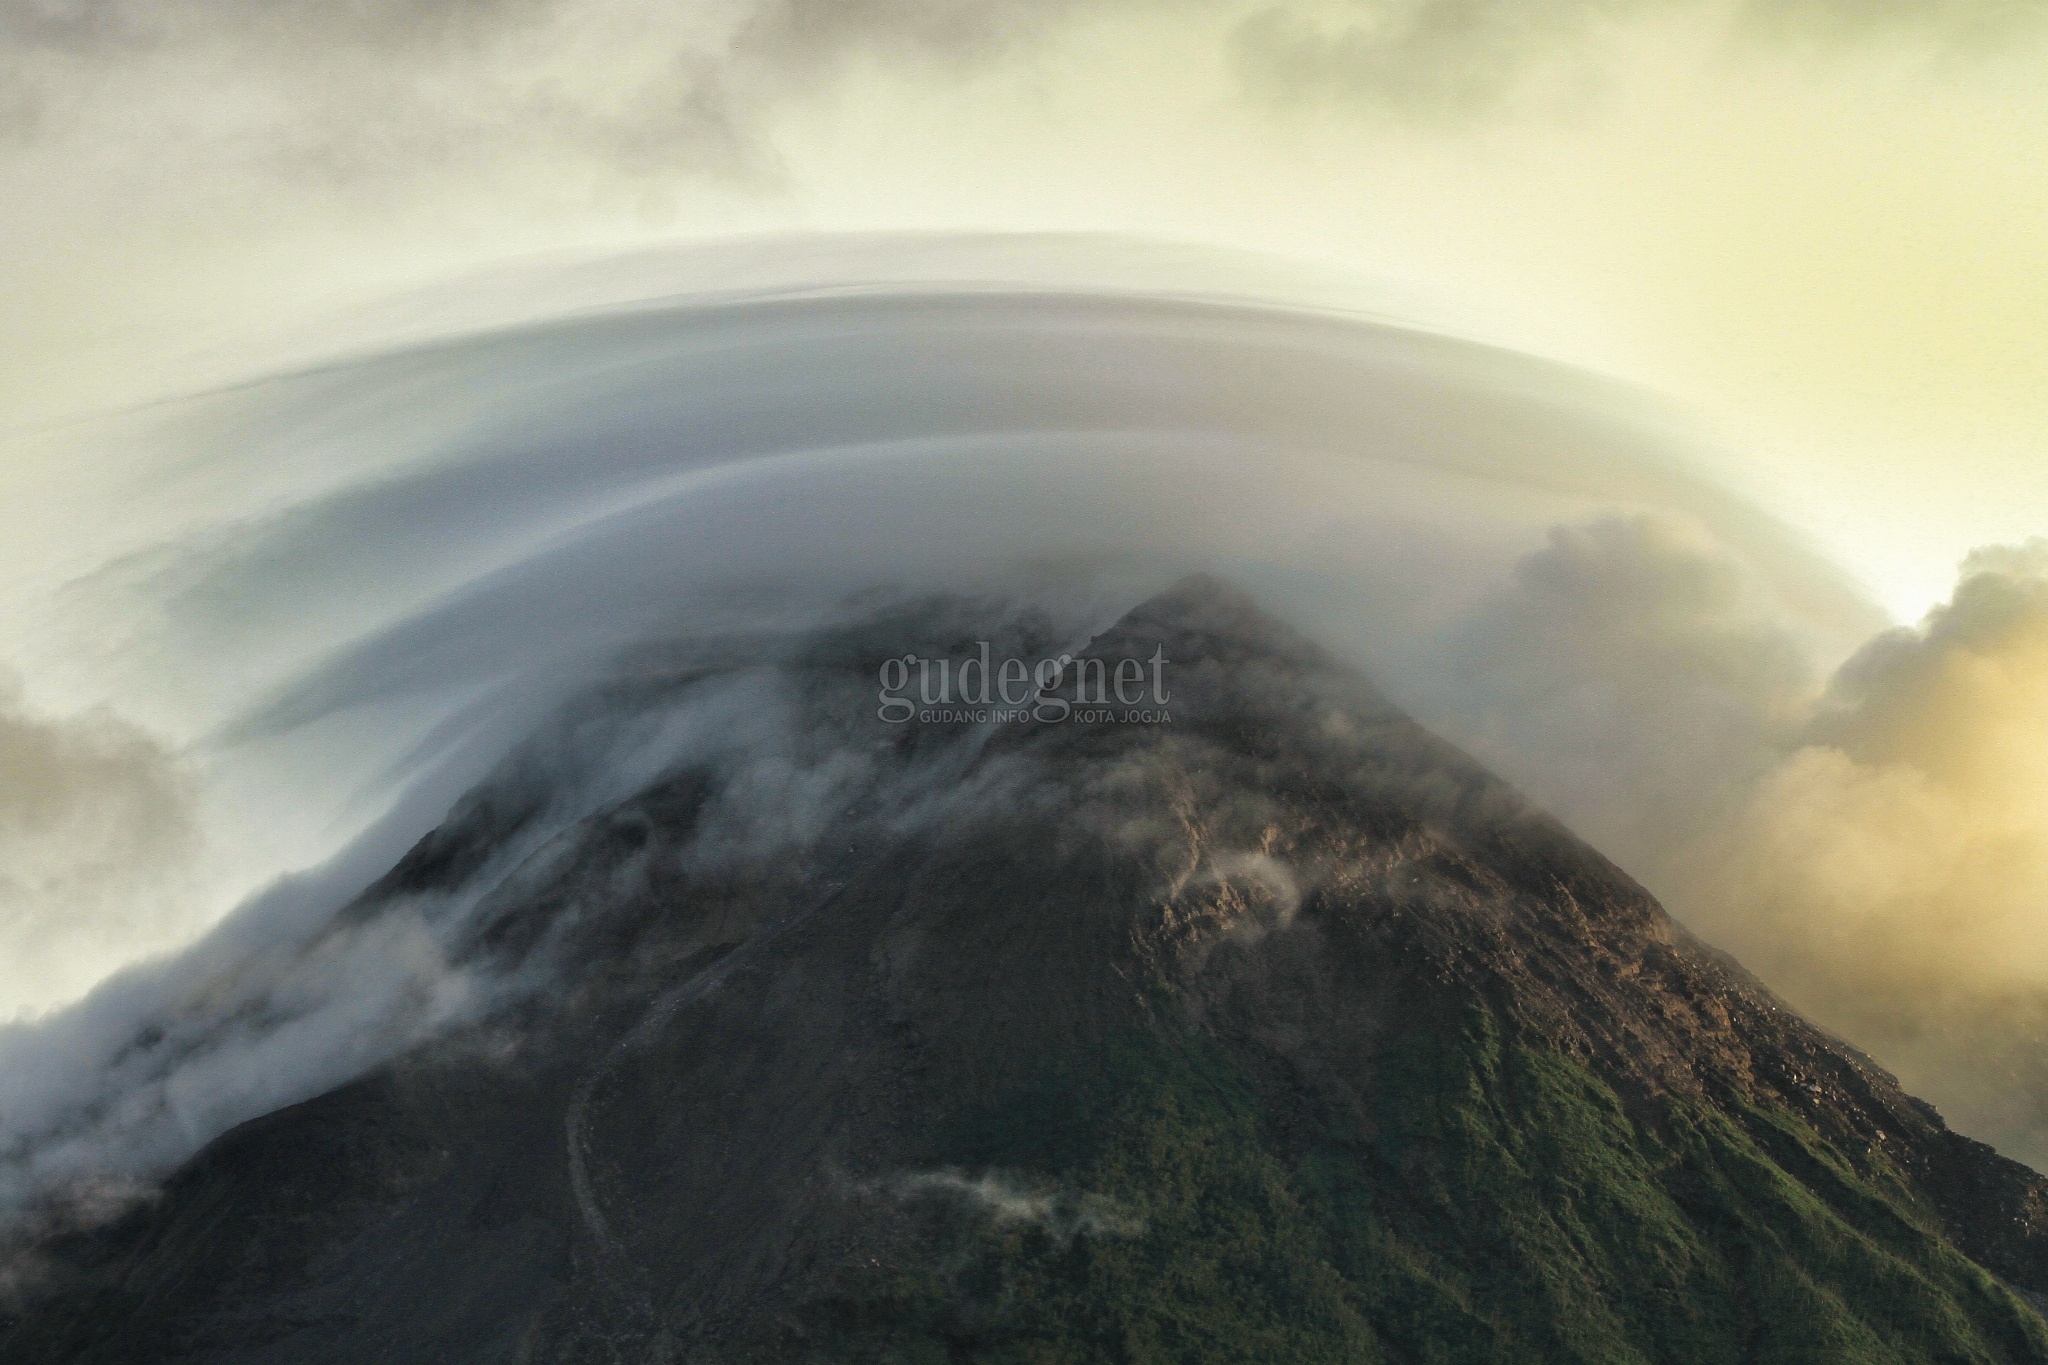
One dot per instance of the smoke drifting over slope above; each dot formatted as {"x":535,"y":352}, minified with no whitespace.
{"x":410,"y":561}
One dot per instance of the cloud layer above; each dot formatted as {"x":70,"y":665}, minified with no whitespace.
{"x":415,"y":557}
{"x":396,"y":88}
{"x":1874,"y":843}
{"x":97,"y":831}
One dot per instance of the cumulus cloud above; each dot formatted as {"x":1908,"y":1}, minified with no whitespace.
{"x":97,"y":834}
{"x":1892,"y":872}
{"x":1645,"y":672}
{"x":1874,"y":844}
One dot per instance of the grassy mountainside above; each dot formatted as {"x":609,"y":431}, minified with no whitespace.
{"x":1501,"y":1205}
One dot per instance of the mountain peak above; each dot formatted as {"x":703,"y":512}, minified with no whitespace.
{"x":1271,"y":1029}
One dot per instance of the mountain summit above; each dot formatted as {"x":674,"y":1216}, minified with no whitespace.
{"x":1253,"y":1024}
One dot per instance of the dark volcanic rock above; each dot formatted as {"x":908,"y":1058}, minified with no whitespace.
{"x":1278,"y":1031}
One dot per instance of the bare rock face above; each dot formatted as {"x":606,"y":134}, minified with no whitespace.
{"x":1273,"y":1030}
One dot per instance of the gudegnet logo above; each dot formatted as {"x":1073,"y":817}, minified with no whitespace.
{"x":981,"y":689}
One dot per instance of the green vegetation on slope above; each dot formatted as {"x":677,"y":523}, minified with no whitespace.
{"x":1498,"y":1203}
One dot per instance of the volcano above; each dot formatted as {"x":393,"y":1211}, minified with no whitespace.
{"x":1260,"y":1025}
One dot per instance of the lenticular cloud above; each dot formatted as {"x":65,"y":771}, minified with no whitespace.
{"x":484,"y":511}
{"x":349,"y":590}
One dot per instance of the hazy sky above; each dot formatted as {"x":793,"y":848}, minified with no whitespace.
{"x":1822,"y":224}
{"x":1817,"y":228}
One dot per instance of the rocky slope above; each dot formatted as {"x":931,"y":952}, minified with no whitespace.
{"x":1278,"y":1031}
